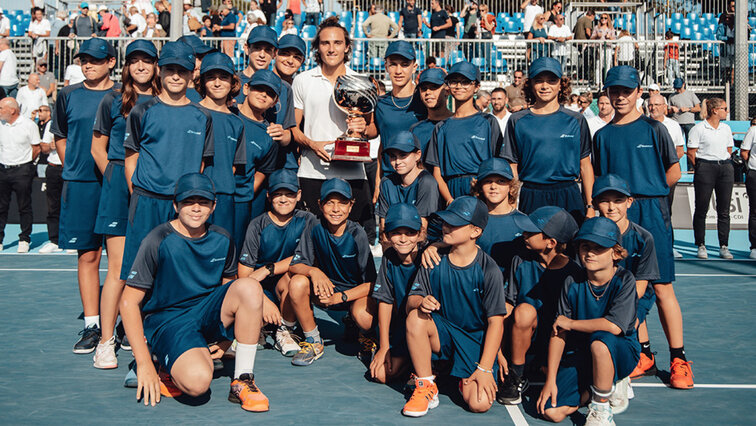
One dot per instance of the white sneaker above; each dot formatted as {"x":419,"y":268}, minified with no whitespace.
{"x":105,"y":357}
{"x":285,"y":343}
{"x":50,"y":247}
{"x":630,"y":391}
{"x":23,"y":247}
{"x":752,"y":255}
{"x":702,"y":252}
{"x":1,"y":247}
{"x":676,"y":254}
{"x":71,"y":251}
{"x":377,"y":250}
{"x":599,"y":415}
{"x":724,"y":253}
{"x":619,"y":400}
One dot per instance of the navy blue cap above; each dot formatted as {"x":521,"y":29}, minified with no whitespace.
{"x":601,"y":231}
{"x":177,"y":53}
{"x":143,"y":46}
{"x":545,"y":64}
{"x":678,"y":83}
{"x":610,"y":182}
{"x":266,"y":78}
{"x":465,"y":210}
{"x":96,"y":48}
{"x":292,"y":41}
{"x":402,"y":48}
{"x":263,"y":34}
{"x":432,"y":75}
{"x":403,"y":141}
{"x":553,"y":221}
{"x":622,"y":75}
{"x":217,"y":61}
{"x":335,"y":185}
{"x":495,"y":166}
{"x":283,"y":178}
{"x":194,"y":185}
{"x":465,"y":69}
{"x":196,"y":44}
{"x":402,"y":215}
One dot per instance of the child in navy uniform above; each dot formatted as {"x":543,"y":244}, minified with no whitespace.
{"x":75,"y":112}
{"x":399,"y":265}
{"x":333,"y":268}
{"x":535,"y":282}
{"x":461,"y":142}
{"x":268,"y":249}
{"x":456,"y":311}
{"x":199,"y":49}
{"x":432,"y":90}
{"x":183,"y":274}
{"x":593,"y":344}
{"x":612,"y":198}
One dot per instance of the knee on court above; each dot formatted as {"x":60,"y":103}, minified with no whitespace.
{"x":415,"y":323}
{"x":195,"y":381}
{"x":558,"y":414}
{"x":525,"y":315}
{"x":476,"y":406}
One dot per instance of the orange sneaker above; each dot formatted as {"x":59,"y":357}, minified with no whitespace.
{"x":244,"y":391}
{"x":167,"y":388}
{"x":646,"y":367}
{"x":424,"y":398}
{"x":681,"y":375}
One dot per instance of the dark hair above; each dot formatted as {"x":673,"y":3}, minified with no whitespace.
{"x":236,"y":85}
{"x":499,"y":89}
{"x":35,"y":9}
{"x":430,"y":60}
{"x":331,"y":22}
{"x":129,"y":95}
{"x":565,"y":91}
{"x":590,"y":12}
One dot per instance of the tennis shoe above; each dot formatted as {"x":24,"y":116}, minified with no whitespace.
{"x":244,"y":391}
{"x":423,"y":399}
{"x":681,"y":375}
{"x":105,"y":357}
{"x":309,"y":352}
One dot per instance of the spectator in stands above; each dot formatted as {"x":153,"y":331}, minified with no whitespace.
{"x":312,"y":11}
{"x":84,"y":25}
{"x":726,"y":33}
{"x":379,"y":25}
{"x":191,"y":19}
{"x":269,"y":9}
{"x":452,"y":32}
{"x":47,"y":81}
{"x":499,"y":102}
{"x":583,"y":31}
{"x":288,"y":27}
{"x":164,"y":15}
{"x":73,"y":74}
{"x":683,"y":105}
{"x":671,"y":58}
{"x":531,"y":9}
{"x":153,"y":29}
{"x":39,"y":27}
{"x":31,"y":96}
{"x":143,"y":6}
{"x":584,"y":104}
{"x":295,"y":6}
{"x":19,"y":147}
{"x":137,"y":24}
{"x":8,"y":73}
{"x":411,"y":20}
{"x":227,"y":29}
{"x":109,"y":25}
{"x":482,"y":100}
{"x":605,"y":32}
{"x":710,"y":145}
{"x":554,"y":12}
{"x":516,"y":89}
{"x":605,"y":115}
{"x":44,"y":115}
{"x":207,"y":27}
{"x":517,"y":104}
{"x":5,"y":25}
{"x":470,"y":15}
{"x":560,"y":34}
{"x":749,"y":144}
{"x":439,"y":22}
{"x":538,"y":33}
{"x":624,"y":53}
{"x":487,"y":23}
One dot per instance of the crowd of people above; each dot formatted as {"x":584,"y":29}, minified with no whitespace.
{"x":532,"y":240}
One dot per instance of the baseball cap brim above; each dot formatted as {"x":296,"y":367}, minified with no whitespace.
{"x":176,"y":61}
{"x":270,"y":86}
{"x":330,"y":192}
{"x":409,"y":224}
{"x":622,"y":82}
{"x":622,"y":191}
{"x":221,"y":67}
{"x":525,"y":224}
{"x":495,"y":173}
{"x":290,"y":186}
{"x":194,"y":193}
{"x":452,"y":218}
{"x":601,"y":240}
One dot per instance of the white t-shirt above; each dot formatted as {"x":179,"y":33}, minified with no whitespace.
{"x":4,"y":25}
{"x":152,"y":32}
{"x":625,"y":48}
{"x":29,"y":100}
{"x":73,"y":74}
{"x":675,"y":131}
{"x":595,"y":123}
{"x":560,"y":48}
{"x":47,"y":137}
{"x":503,"y":121}
{"x":311,"y":6}
{"x":530,"y":13}
{"x":711,"y":143}
{"x":16,"y":140}
{"x":8,"y":75}
{"x":140,"y":22}
{"x":749,"y":144}
{"x":39,"y":27}
{"x":324,"y":121}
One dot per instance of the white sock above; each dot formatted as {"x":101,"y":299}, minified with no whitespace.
{"x":314,"y":334}
{"x":245,"y":359}
{"x":90,"y":321}
{"x":429,"y":378}
{"x":601,"y":397}
{"x":288,"y":324}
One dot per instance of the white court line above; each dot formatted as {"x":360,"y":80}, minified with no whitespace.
{"x":516,"y":415}
{"x":715,"y":275}
{"x":41,"y":270}
{"x":696,"y":386}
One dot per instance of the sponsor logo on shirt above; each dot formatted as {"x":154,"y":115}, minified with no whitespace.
{"x":564,"y":135}
{"x":132,"y":274}
{"x":113,"y":224}
{"x":217,"y":259}
{"x":635,"y":255}
{"x":243,"y":257}
{"x":255,"y":144}
{"x":231,"y":138}
{"x":644,"y":146}
{"x":415,"y":286}
{"x":72,"y":240}
{"x":193,"y":132}
{"x":477,"y":137}
{"x":376,"y":287}
{"x":349,"y":255}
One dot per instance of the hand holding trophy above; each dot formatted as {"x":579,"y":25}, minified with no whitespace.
{"x":356,"y":95}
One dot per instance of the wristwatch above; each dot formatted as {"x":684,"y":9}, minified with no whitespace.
{"x":271,"y":269}
{"x":344,"y":297}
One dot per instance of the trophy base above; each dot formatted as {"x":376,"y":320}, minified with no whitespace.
{"x":351,"y":149}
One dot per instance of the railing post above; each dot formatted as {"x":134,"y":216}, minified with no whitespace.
{"x":177,"y":19}
{"x":740,"y":106}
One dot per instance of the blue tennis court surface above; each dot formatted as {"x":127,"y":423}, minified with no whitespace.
{"x":43,"y":382}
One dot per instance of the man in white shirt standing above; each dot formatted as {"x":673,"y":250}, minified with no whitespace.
{"x":499,"y":109}
{"x":138,"y":23}
{"x":5,"y":25}
{"x":532,"y":9}
{"x":749,"y":144}
{"x":8,"y":74}
{"x":19,"y":146}
{"x":53,"y":187}
{"x":605,"y":115}
{"x":39,"y":26}
{"x":31,"y":96}
{"x":560,"y":33}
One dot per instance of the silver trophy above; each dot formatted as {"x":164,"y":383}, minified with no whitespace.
{"x":356,"y":95}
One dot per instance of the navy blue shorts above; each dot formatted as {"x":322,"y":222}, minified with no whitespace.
{"x":462,"y":347}
{"x":460,"y":185}
{"x":145,"y":213}
{"x":78,"y":214}
{"x":653,"y":215}
{"x":242,"y":218}
{"x":259,"y":202}
{"x":113,"y":211}
{"x":269,"y":288}
{"x":398,"y":338}
{"x":575,"y":373}
{"x":172,"y":333}
{"x":645,"y":303}
{"x":565,"y":195}
{"x":223,"y":215}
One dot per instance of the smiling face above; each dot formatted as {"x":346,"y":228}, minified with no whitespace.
{"x":260,"y":55}
{"x":400,"y":70}
{"x":594,"y":257}
{"x":336,"y":209}
{"x":605,"y":106}
{"x":141,"y":67}
{"x":495,"y":189}
{"x":461,"y":88}
{"x":261,"y":98}
{"x":403,"y":162}
{"x":546,"y":87}
{"x":217,"y":84}
{"x":288,"y":61}
{"x":623,"y":98}
{"x":613,"y":205}
{"x":498,"y":101}
{"x":456,"y":235}
{"x":332,"y":46}
{"x":174,"y":78}
{"x":433,"y":95}
{"x":284,"y":201}
{"x":404,"y":240}
{"x":193,"y":212}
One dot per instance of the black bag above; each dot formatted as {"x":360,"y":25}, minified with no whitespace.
{"x":738,"y":167}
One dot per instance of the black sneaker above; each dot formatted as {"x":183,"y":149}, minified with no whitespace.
{"x":90,"y":336}
{"x":510,"y":392}
{"x":121,"y":338}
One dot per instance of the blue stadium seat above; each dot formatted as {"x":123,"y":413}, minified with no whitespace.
{"x":441,"y":62}
{"x":481,"y":64}
{"x":394,"y":16}
{"x":709,"y":17}
{"x":456,"y":56}
{"x":752,"y":21}
{"x":697,"y":37}
{"x":693,"y":16}
{"x":362,"y":15}
{"x":499,"y":65}
{"x":676,"y":28}
{"x":420,"y":59}
{"x":686,"y":34}
{"x":518,"y":16}
{"x":358,"y":63}
{"x":707,"y":34}
{"x":752,"y":62}
{"x":376,"y":64}
{"x":346,"y":15}
{"x":677,"y":17}
{"x":668,"y":23}
{"x":308,"y":31}
{"x":695,"y":28}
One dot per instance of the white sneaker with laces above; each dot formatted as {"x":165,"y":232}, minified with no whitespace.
{"x":1,"y":247}
{"x":23,"y":247}
{"x":285,"y":343}
{"x":724,"y":253}
{"x":599,"y":415}
{"x":50,"y":247}
{"x":752,"y":255}
{"x":105,"y":357}
{"x":676,"y":254}
{"x":619,"y":401}
{"x":630,"y":391}
{"x":702,"y":254}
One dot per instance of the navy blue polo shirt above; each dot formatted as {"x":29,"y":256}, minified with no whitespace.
{"x":267,"y":242}
{"x":641,"y":253}
{"x":547,"y":147}
{"x":261,"y":157}
{"x":393,"y":283}
{"x":410,"y":21}
{"x":501,"y":239}
{"x":394,"y":115}
{"x":423,"y":130}
{"x":639,"y":152}
{"x":177,"y":271}
{"x":229,"y":19}
{"x":230,"y":150}
{"x":171,"y":141}
{"x":422,"y":193}
{"x":458,"y":145}
{"x":531,"y":283}
{"x":73,"y":119}
{"x":111,"y":123}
